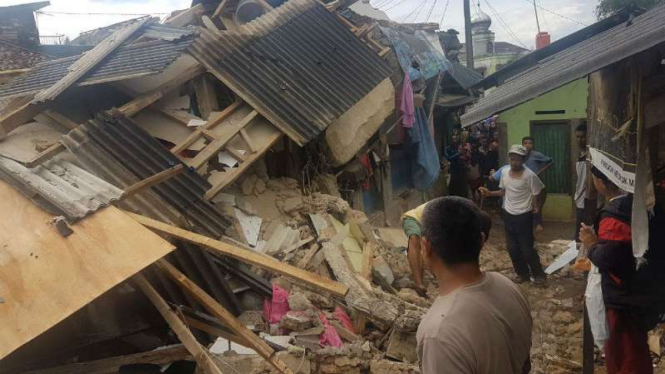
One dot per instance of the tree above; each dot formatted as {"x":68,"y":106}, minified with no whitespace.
{"x":608,"y":7}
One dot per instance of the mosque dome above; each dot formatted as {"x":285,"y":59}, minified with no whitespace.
{"x":481,"y":20}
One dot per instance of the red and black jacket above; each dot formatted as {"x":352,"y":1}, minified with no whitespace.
{"x":613,"y":254}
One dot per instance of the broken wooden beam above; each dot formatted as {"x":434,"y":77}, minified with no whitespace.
{"x":112,"y":365}
{"x":212,"y":330}
{"x":205,"y":96}
{"x":212,"y":122}
{"x":248,"y":256}
{"x":46,"y":155}
{"x":186,"y":17}
{"x":218,"y":311}
{"x":201,"y":355}
{"x":152,"y":180}
{"x":60,"y":119}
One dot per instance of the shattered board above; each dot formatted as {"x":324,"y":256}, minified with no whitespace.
{"x":45,"y":277}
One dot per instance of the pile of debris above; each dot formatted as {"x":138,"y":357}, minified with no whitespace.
{"x":143,"y":214}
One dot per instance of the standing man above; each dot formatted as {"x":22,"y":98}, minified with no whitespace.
{"x":412,"y":228}
{"x":520,"y":187}
{"x":581,"y":171}
{"x":480,"y":323}
{"x":611,"y":251}
{"x":538,"y":163}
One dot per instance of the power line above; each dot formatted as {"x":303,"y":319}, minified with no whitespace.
{"x":504,"y":24}
{"x":415,"y":18}
{"x":383,"y":3}
{"x":395,"y":5}
{"x":422,"y":3}
{"x":429,"y":14}
{"x":444,"y":13}
{"x":557,"y":14}
{"x":547,"y":24}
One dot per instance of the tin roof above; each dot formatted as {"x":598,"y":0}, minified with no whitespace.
{"x":622,"y":41}
{"x":464,"y":76}
{"x":297,"y":65}
{"x":128,"y":61}
{"x":14,"y":57}
{"x":69,"y":190}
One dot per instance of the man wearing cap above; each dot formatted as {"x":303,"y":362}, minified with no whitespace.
{"x":519,"y":187}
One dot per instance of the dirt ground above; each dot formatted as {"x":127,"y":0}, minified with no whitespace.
{"x":557,"y":309}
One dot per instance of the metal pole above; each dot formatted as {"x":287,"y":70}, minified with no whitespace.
{"x":535,"y":9}
{"x":467,"y":33}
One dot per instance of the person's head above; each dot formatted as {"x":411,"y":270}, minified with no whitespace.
{"x":580,"y":135}
{"x":603,"y":184}
{"x":452,"y":235}
{"x":527,"y":142}
{"x":516,"y":157}
{"x":454,"y":139}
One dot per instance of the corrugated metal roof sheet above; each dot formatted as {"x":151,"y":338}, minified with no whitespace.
{"x":73,"y":192}
{"x":622,"y":41}
{"x":297,"y":65}
{"x":464,"y":76}
{"x":144,"y":156}
{"x":164,"y":32}
{"x":127,"y":61}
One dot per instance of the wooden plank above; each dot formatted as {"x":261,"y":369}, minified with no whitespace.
{"x":208,"y":134}
{"x":237,"y":155}
{"x":89,"y":60}
{"x":248,"y":140}
{"x":61,"y":119}
{"x":218,"y":311}
{"x":216,"y":145}
{"x":207,"y":22}
{"x":220,"y":8}
{"x":46,"y":155}
{"x":194,"y":136}
{"x":113,"y":364}
{"x":202,"y":357}
{"x":186,"y":17}
{"x":247,"y":256}
{"x":152,"y":180}
{"x":233,"y":174}
{"x":45,"y":277}
{"x":143,"y":101}
{"x":18,"y":116}
{"x":208,"y":329}
{"x":313,"y":249}
{"x":205,"y":96}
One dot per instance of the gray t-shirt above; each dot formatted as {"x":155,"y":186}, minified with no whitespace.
{"x":483,"y":328}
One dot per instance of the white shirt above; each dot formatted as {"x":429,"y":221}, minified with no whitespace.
{"x":580,"y":187}
{"x":520,"y":191}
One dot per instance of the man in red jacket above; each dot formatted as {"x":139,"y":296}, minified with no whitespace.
{"x":626,"y":350}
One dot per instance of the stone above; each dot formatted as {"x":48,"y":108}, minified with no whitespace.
{"x":245,"y":206}
{"x":402,"y":346}
{"x":388,"y":366}
{"x":299,"y":302}
{"x":260,"y":187}
{"x":260,"y":168}
{"x":411,"y":296}
{"x":247,"y":184}
{"x":383,"y":268}
{"x":563,"y":317}
{"x":320,"y":301}
{"x":296,"y":321}
{"x":250,"y":301}
{"x":292,"y":204}
{"x":408,"y":321}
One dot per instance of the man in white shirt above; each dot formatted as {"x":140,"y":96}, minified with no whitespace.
{"x":519,"y":187}
{"x":580,"y":186}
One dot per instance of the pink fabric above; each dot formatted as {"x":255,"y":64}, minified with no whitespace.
{"x":344,"y":319}
{"x":407,"y":108}
{"x":276,"y":309}
{"x":329,"y":337}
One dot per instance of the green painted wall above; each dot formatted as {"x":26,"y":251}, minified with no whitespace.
{"x":573,"y":99}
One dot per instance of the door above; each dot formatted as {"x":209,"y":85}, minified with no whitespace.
{"x":553,"y":139}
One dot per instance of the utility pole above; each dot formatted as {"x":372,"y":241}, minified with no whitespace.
{"x":535,"y":9}
{"x":467,"y":34}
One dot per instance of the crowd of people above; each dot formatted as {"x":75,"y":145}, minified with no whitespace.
{"x":481,"y":322}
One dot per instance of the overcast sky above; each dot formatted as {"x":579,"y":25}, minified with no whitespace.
{"x":518,"y":15}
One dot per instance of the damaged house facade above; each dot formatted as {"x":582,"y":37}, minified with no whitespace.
{"x":179,"y":178}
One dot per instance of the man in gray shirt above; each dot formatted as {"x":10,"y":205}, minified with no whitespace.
{"x":480,"y":323}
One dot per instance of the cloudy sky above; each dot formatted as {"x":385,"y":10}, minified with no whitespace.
{"x":559,"y":17}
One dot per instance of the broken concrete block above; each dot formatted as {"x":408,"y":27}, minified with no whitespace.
{"x":299,"y":302}
{"x":411,"y":296}
{"x":292,"y":204}
{"x":402,"y":346}
{"x":260,"y":187}
{"x":392,"y":367}
{"x":247,"y":184}
{"x":296,"y":321}
{"x":245,"y":206}
{"x":383,"y":268}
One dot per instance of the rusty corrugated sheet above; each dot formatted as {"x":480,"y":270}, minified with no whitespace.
{"x":127,"y":61}
{"x":297,"y":65}
{"x":69,"y":190}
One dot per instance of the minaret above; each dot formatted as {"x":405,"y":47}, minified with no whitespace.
{"x":483,"y":38}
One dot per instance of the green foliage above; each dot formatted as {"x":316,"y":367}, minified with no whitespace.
{"x":608,"y":7}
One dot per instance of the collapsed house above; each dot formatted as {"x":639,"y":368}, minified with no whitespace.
{"x":151,"y":205}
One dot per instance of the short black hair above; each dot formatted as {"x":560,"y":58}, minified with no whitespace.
{"x":606,"y":181}
{"x":485,"y":223}
{"x":452,"y":225}
{"x":527,"y":138}
{"x":581,"y":127}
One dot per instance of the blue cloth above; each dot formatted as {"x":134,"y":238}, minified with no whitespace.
{"x":415,"y":47}
{"x":536,"y":161}
{"x":426,"y":166}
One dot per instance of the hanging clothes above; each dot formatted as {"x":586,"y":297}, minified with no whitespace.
{"x":426,"y":165}
{"x":407,"y":107}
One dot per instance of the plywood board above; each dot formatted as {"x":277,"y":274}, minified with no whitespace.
{"x":45,"y":277}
